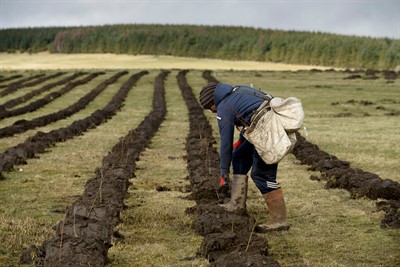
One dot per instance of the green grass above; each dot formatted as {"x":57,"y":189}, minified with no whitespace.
{"x":328,"y":228}
{"x":156,"y":229}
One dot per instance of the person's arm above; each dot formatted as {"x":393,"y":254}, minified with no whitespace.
{"x":226,"y":131}
{"x":239,"y":141}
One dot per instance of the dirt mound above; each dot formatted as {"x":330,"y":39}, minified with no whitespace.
{"x":208,"y":76}
{"x":41,"y":141}
{"x":371,"y":74}
{"x":13,"y":129}
{"x":5,"y":79}
{"x":19,"y":84}
{"x":390,"y":74}
{"x":84,"y":236}
{"x":19,"y":100}
{"x":229,"y":237}
{"x":339,"y":174}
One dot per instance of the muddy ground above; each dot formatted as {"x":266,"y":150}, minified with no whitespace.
{"x":41,"y":141}
{"x":339,"y":174}
{"x":24,"y":82}
{"x":229,"y":237}
{"x":371,"y":74}
{"x":22,"y":99}
{"x":23,"y":125}
{"x":83,"y":237}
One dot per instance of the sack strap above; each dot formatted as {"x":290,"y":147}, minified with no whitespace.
{"x":258,"y":113}
{"x":256,"y":93}
{"x":267,"y":98}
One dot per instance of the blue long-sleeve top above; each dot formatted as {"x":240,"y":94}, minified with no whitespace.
{"x":233,"y":109}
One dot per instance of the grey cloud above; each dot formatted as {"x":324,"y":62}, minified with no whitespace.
{"x":366,"y":18}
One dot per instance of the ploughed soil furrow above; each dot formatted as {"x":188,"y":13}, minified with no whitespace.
{"x":24,"y":125}
{"x":18,"y":84}
{"x":208,"y":76}
{"x":43,"y":79}
{"x":19,"y":100}
{"x":339,"y":174}
{"x":5,"y":79}
{"x":229,"y":238}
{"x":41,"y":141}
{"x":40,"y":103}
{"x":21,"y":80}
{"x":84,"y":236}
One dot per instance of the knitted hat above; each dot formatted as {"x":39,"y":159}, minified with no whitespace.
{"x":207,"y":95}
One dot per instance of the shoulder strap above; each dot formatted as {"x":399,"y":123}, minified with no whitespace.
{"x":255,"y":92}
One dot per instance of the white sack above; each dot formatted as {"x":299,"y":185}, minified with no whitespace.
{"x":273,"y":135}
{"x":290,"y":112}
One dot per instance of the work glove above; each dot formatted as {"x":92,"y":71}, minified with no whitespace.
{"x":224,"y":183}
{"x":237,"y":144}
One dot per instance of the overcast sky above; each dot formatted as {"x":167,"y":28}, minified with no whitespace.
{"x":373,"y":18}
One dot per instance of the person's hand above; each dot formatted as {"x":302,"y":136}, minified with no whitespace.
{"x":223,"y":183}
{"x":237,"y":144}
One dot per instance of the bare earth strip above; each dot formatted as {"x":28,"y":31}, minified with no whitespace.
{"x":16,"y":101}
{"x":112,"y":61}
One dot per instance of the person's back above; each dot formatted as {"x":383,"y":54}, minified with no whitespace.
{"x":235,"y":105}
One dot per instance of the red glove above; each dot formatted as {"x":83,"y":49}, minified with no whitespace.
{"x":223,"y":183}
{"x":237,"y":144}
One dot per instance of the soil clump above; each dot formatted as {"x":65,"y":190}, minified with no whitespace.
{"x":84,"y":236}
{"x":339,"y":174}
{"x":229,"y":237}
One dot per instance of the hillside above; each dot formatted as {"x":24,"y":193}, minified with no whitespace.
{"x":232,"y":43}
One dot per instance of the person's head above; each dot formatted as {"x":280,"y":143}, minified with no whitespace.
{"x":207,"y":95}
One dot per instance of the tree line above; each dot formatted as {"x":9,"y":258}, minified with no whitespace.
{"x":220,"y":42}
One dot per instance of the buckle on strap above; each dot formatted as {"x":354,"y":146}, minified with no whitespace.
{"x":263,"y":107}
{"x":258,"y":113}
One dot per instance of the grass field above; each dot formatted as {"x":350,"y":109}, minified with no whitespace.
{"x":328,"y":228}
{"x":112,"y":61}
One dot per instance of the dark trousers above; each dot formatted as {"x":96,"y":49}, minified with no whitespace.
{"x":245,"y":157}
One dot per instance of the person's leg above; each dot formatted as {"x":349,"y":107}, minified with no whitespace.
{"x":241,"y":162}
{"x":242,"y":158}
{"x":264,"y":176}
